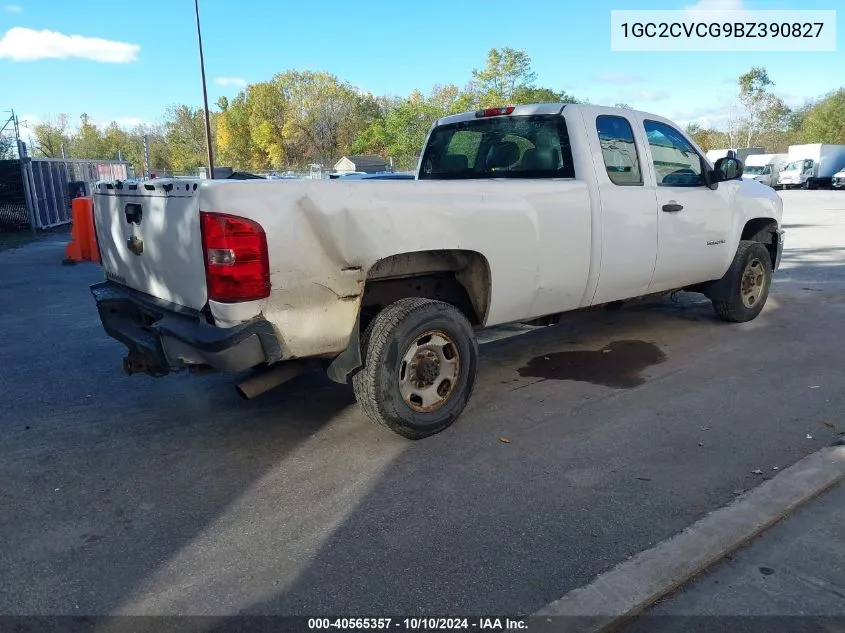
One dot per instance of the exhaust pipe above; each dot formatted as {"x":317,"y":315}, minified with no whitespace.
{"x":273,"y":377}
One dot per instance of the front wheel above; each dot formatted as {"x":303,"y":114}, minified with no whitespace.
{"x":740,"y":295}
{"x":420,"y":360}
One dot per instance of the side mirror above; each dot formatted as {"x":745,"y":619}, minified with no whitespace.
{"x":711,"y":181}
{"x":728,"y":168}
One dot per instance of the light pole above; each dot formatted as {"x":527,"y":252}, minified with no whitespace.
{"x":205,"y":97}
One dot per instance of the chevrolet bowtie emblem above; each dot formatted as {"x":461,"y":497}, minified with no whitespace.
{"x":135,"y":245}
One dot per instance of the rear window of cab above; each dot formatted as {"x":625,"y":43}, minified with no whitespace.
{"x":534,"y":146}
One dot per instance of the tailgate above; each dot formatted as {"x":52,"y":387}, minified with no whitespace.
{"x":149,"y":238}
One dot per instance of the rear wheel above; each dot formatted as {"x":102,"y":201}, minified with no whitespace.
{"x":740,"y":295}
{"x":420,"y":360}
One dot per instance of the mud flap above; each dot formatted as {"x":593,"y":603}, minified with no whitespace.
{"x":349,"y":361}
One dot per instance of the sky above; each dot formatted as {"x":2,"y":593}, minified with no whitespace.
{"x":128,"y":61}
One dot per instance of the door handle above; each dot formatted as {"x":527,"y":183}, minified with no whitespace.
{"x":672,"y":207}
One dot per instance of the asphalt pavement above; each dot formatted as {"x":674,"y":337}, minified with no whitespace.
{"x":133,"y":495}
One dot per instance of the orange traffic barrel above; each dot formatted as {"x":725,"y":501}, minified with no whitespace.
{"x":83,"y":238}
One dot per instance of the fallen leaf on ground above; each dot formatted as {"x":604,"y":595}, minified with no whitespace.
{"x":757,"y":472}
{"x":829,"y":424}
{"x":504,"y":440}
{"x":775,"y":468}
{"x":809,"y":437}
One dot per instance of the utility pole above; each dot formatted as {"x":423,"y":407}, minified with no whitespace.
{"x":147,"y":169}
{"x":205,"y":97}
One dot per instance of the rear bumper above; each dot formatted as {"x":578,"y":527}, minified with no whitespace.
{"x":163,"y":337}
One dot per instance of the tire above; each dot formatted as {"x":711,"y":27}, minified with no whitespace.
{"x":406,"y":341}
{"x":749,"y":276}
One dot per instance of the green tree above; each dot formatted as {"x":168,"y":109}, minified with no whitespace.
{"x":824,"y":122}
{"x":506,"y":71}
{"x":707,"y":138}
{"x":526,"y":94}
{"x":185,"y":134}
{"x":323,"y":117}
{"x":50,"y":136}
{"x":765,"y":113}
{"x":264,"y":112}
{"x":7,"y":147}
{"x":235,"y":144}
{"x":88,"y":141}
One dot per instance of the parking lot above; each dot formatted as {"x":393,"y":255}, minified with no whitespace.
{"x":584,"y":444}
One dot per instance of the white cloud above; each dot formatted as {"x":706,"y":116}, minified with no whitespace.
{"x":28,"y":121}
{"x":652,"y":96}
{"x":712,"y":10}
{"x":618,"y":78}
{"x":129,"y":121}
{"x":125,"y":122}
{"x":230,"y":81}
{"x":22,"y":44}
{"x":712,"y":116}
{"x":13,"y":8}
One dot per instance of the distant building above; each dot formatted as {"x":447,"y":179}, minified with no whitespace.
{"x":361,"y":164}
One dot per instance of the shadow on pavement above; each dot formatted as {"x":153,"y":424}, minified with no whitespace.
{"x":131,"y":495}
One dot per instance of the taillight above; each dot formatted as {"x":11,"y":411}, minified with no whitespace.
{"x":494,"y":111}
{"x":237,"y":267}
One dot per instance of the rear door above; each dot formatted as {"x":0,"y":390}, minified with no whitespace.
{"x":694,"y":221}
{"x":150,"y":241}
{"x":628,"y":208}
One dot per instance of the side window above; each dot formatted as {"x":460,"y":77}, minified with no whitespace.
{"x":676,"y":163}
{"x":767,"y":170}
{"x":619,"y":150}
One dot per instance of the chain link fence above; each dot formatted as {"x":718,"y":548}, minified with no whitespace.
{"x":36,"y":193}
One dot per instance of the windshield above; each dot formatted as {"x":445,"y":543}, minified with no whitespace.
{"x":799,"y":165}
{"x":753,"y":170}
{"x":499,"y":147}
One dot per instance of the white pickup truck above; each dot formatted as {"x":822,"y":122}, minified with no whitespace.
{"x":517,"y":214}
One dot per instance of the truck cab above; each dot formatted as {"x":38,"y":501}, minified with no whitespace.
{"x":812,"y":166}
{"x":764,"y":168}
{"x":797,"y":173}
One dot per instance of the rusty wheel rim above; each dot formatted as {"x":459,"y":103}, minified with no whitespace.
{"x":429,"y":371}
{"x":753,"y":283}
